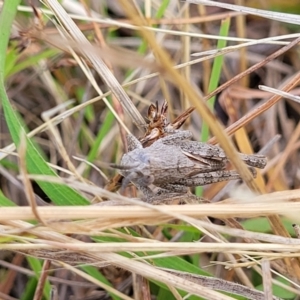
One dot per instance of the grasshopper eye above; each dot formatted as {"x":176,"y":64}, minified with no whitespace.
{"x":148,"y":179}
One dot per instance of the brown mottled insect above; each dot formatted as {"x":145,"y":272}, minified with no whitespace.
{"x":174,"y":163}
{"x":158,"y":127}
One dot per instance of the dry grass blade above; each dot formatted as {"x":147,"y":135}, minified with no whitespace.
{"x":187,"y":89}
{"x":287,"y":152}
{"x":242,"y":239}
{"x":267,"y":279}
{"x":292,"y":83}
{"x":256,"y":206}
{"x":223,"y":285}
{"x":137,"y":267}
{"x":39,"y":290}
{"x":258,"y":249}
{"x":278,"y":16}
{"x":254,"y":67}
{"x":96,"y":282}
{"x":96,"y":61}
{"x":279,"y":93}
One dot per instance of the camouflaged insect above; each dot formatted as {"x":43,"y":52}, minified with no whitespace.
{"x":158,"y":127}
{"x":175,"y":162}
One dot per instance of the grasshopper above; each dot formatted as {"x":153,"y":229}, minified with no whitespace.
{"x":158,"y":127}
{"x":174,"y":163}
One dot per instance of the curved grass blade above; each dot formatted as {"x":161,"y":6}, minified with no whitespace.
{"x":5,"y":201}
{"x":59,"y":194}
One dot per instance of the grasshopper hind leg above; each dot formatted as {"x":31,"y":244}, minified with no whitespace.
{"x":212,"y":177}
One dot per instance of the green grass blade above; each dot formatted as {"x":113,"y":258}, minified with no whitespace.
{"x":97,"y":275}
{"x":144,"y":45}
{"x":159,"y":14}
{"x":213,"y":83}
{"x":59,"y":194}
{"x":29,"y":289}
{"x":5,"y":201}
{"x":215,"y":74}
{"x":13,"y":67}
{"x":105,"y":128}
